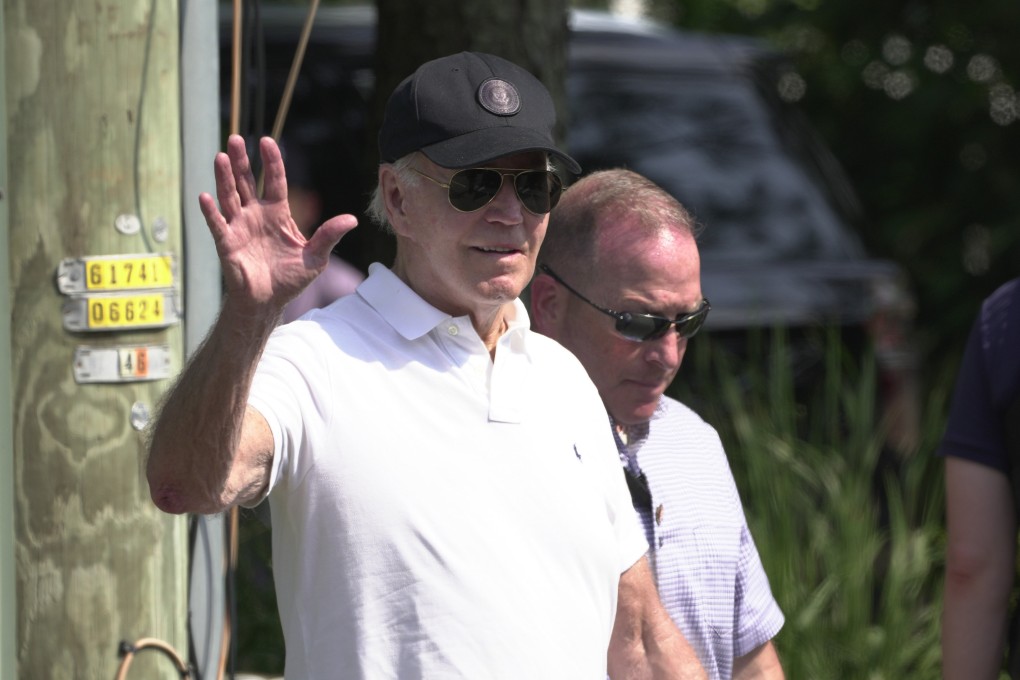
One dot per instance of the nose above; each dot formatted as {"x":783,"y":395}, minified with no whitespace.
{"x":667,"y":351}
{"x":506,"y":207}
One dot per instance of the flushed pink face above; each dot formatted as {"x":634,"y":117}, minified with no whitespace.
{"x":658,"y":275}
{"x":464,"y":262}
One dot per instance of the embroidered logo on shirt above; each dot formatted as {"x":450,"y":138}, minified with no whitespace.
{"x":577,"y":453}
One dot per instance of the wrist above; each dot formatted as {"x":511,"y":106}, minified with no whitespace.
{"x":248,"y":319}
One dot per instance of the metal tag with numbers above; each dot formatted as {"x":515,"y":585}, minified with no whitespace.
{"x":110,"y":273}
{"x":121,"y":364}
{"x":109,"y":312}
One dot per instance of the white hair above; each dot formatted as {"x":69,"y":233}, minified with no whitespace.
{"x":377,"y":204}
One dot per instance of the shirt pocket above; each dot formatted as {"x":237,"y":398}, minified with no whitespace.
{"x":696,"y":569}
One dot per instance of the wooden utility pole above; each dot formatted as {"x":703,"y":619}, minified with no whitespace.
{"x":93,"y":194}
{"x":7,"y":600}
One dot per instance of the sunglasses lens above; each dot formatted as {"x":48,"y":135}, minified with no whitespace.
{"x":641,"y":327}
{"x":539,"y":191}
{"x":689,"y":327}
{"x":644,"y":327}
{"x":471,"y":189}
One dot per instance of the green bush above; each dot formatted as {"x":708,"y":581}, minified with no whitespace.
{"x":850,"y":534}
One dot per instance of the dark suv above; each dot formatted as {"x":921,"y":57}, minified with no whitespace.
{"x":700,"y":115}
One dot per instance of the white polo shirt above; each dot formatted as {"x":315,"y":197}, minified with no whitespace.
{"x":438,"y":514}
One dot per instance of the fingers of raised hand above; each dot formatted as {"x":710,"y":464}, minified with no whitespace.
{"x":240,"y":167}
{"x":275,"y":179}
{"x":213,"y":218}
{"x":329,"y":234}
{"x":324,"y":239}
{"x":226,"y":188}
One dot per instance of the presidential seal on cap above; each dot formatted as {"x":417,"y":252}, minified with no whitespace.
{"x":467,"y":109}
{"x":499,"y":97}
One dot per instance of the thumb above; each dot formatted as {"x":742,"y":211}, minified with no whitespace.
{"x":329,"y":234}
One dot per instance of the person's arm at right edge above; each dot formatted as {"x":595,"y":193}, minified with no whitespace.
{"x":645,"y":643}
{"x":208,"y":449}
{"x":980,"y":564}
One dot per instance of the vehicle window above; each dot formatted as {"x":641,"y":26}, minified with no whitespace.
{"x":711,"y":142}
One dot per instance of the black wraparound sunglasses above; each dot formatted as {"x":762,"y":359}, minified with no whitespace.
{"x":644,"y":327}
{"x":473,"y":188}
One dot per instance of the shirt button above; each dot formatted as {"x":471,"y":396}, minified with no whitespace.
{"x":452,"y":330}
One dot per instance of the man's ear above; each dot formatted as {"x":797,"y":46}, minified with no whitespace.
{"x":546,"y":304}
{"x":394,"y":197}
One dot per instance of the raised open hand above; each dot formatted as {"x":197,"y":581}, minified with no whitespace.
{"x":266,"y":260}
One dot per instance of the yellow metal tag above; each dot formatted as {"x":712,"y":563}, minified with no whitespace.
{"x":128,"y":273}
{"x":126,"y":311}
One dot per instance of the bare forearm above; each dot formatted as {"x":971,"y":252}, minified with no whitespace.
{"x":761,"y":664}
{"x":645,"y":643}
{"x":980,"y":565}
{"x":658,"y":658}
{"x":209,"y":450}
{"x":670,"y":655}
{"x":193,"y":461}
{"x":973,"y":625}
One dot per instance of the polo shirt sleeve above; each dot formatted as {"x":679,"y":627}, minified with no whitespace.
{"x":757,"y":616}
{"x":291,"y":390}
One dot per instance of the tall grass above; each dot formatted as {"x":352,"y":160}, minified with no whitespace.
{"x":851,"y":536}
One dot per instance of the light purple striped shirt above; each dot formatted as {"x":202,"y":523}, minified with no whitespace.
{"x":708,"y":571}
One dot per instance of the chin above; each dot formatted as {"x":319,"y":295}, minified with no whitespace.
{"x":502,"y":289}
{"x":636,"y":416}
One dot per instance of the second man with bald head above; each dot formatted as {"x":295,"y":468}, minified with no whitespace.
{"x":619,"y":284}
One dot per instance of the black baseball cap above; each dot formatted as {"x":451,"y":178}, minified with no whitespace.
{"x":469,"y":108}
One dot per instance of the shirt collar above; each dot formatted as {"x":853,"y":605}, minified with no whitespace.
{"x":636,"y":434}
{"x":412,"y":316}
{"x":400,"y":306}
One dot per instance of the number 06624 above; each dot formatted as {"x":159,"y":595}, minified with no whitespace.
{"x":126,"y":312}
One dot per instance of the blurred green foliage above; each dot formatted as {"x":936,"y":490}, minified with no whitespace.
{"x":850,"y":534}
{"x":917,"y":100}
{"x":259,"y":636}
